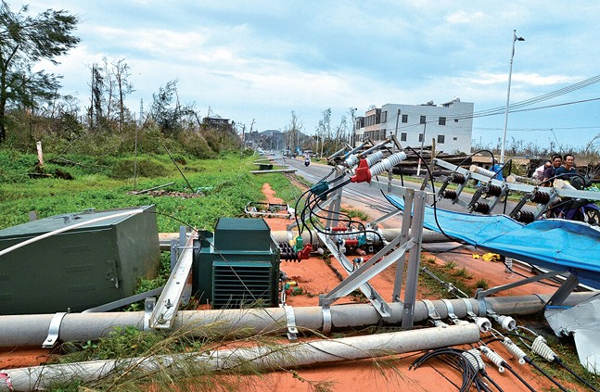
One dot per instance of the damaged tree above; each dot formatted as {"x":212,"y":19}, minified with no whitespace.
{"x":25,"y":41}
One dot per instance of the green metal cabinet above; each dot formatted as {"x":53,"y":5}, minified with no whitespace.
{"x":238,"y":265}
{"x":91,"y":265}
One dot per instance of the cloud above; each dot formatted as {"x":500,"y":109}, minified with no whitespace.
{"x":266,"y":58}
{"x":463,"y":17}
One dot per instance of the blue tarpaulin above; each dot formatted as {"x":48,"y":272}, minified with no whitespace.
{"x":554,"y":244}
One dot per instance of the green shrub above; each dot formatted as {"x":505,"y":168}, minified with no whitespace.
{"x":195,"y":144}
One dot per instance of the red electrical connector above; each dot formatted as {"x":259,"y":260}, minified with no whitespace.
{"x":305,"y":252}
{"x":352,"y":242}
{"x":339,"y":228}
{"x":363,"y":173}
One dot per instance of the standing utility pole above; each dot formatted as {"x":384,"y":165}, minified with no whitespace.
{"x":515,"y":39}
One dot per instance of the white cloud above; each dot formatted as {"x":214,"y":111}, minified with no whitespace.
{"x":263,"y":59}
{"x":461,"y":17}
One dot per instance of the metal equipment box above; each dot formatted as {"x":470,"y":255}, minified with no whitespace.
{"x":237,"y":266}
{"x":81,"y":268}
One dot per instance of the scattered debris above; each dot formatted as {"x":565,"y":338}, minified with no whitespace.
{"x":488,"y":257}
{"x":265,"y":209}
{"x":160,"y":193}
{"x":151,"y":189}
{"x":273,"y":171}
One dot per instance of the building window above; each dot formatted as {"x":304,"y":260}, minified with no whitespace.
{"x":441,"y":139}
{"x":405,"y":118}
{"x":403,"y":137}
{"x":454,"y":138}
{"x":456,"y":120}
{"x":420,"y":138}
{"x":442,"y":121}
{"x":423,"y":120}
{"x":384,"y":116}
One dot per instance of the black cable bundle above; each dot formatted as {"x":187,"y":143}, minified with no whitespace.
{"x":462,"y":361}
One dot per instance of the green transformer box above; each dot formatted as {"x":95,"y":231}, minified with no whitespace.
{"x":237,"y":266}
{"x":87,"y":266}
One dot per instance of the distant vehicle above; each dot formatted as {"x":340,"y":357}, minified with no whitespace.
{"x":581,"y":210}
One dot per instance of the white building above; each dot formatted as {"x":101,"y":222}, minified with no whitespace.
{"x":450,"y":124}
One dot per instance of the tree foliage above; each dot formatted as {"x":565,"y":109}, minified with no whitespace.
{"x":166,"y":110}
{"x":24,"y":41}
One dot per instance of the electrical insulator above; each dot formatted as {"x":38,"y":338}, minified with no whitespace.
{"x":448,"y":194}
{"x":364,"y":172}
{"x":525,"y":216}
{"x":482,"y":208}
{"x":540,"y":347}
{"x":482,"y":171}
{"x":374,"y":158}
{"x":474,"y":358}
{"x":514,"y":350}
{"x":483,"y":324}
{"x":457,"y":178}
{"x":287,"y":252}
{"x":351,"y":160}
{"x":495,"y":358}
{"x":540,"y":197}
{"x":494,"y":190}
{"x":388,"y":163}
{"x":508,"y":323}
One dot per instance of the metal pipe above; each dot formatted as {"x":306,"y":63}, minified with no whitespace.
{"x":32,"y":330}
{"x":265,"y":358}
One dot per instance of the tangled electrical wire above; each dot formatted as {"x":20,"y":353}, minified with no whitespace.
{"x":320,"y":218}
{"x":467,"y":362}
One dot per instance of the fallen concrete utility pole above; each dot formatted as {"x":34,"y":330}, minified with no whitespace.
{"x":33,"y":330}
{"x":264,"y":358}
{"x":429,"y":236}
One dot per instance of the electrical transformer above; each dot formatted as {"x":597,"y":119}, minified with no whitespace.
{"x":87,"y":266}
{"x":236,"y":266}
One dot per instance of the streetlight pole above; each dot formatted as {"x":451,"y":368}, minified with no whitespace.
{"x":512,"y":56}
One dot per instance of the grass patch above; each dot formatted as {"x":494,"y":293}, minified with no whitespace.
{"x":463,"y":273}
{"x":353,"y":213}
{"x":448,"y":265}
{"x":95,"y":186}
{"x":482,"y":284}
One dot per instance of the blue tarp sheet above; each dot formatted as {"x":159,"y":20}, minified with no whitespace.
{"x":554,"y":244}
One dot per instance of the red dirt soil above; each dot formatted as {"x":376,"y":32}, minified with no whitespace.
{"x":315,"y":277}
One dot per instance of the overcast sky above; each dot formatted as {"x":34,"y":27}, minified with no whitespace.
{"x":261,"y":60}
